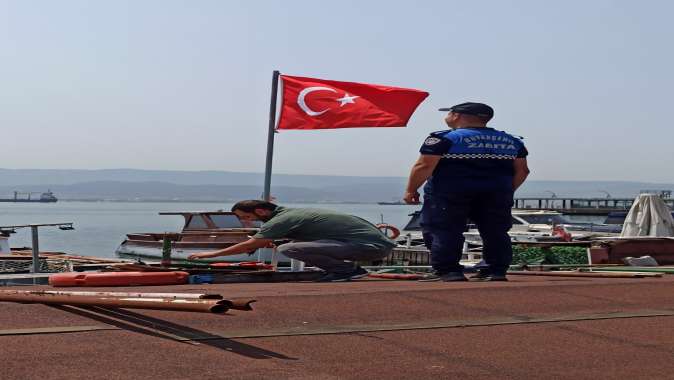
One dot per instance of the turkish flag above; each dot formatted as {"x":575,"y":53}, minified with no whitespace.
{"x":310,"y":103}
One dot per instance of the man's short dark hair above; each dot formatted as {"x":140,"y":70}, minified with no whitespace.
{"x":252,"y":205}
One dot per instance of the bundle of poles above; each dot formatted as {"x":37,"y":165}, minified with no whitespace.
{"x":192,"y":302}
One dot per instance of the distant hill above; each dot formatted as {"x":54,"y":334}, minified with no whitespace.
{"x":46,"y":177}
{"x":156,"y":185}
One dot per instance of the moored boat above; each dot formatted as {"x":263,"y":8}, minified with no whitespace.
{"x":202,"y":231}
{"x":528,"y":226}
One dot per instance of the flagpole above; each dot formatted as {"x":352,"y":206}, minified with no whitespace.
{"x":270,"y":137}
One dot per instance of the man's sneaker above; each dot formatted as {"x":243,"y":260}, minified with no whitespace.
{"x":453,"y":277}
{"x":359,"y":273}
{"x":486,"y":276}
{"x":342,"y":277}
{"x":431,"y":277}
{"x":497,"y":277}
{"x":481,"y":275}
{"x":447,"y":277}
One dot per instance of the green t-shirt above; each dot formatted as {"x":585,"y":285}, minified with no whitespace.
{"x":308,"y":224}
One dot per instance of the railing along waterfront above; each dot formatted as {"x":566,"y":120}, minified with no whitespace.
{"x":579,"y":205}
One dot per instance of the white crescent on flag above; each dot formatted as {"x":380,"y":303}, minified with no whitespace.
{"x":303,"y":104}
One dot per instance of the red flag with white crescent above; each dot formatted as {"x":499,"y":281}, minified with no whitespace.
{"x":310,"y":103}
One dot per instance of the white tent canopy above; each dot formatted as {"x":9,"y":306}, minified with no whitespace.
{"x":649,"y":216}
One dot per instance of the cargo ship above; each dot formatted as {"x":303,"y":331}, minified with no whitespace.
{"x":47,"y":197}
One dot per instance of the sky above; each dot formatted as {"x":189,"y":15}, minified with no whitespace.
{"x":185,"y":85}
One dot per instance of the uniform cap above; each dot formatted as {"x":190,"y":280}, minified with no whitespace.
{"x":476,"y":109}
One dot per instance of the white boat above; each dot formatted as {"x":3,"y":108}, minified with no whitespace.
{"x":202,"y":231}
{"x":528,"y":226}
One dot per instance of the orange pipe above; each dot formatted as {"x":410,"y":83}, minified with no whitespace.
{"x":118,"y":278}
{"x":135,"y":294}
{"x":192,"y":305}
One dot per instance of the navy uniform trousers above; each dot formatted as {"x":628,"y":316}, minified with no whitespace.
{"x":444,"y":219}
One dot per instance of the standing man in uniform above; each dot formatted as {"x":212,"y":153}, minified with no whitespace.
{"x":471,"y":172}
{"x":326,"y":239}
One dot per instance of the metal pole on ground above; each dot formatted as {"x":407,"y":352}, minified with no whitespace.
{"x":270,"y":137}
{"x":36,"y":249}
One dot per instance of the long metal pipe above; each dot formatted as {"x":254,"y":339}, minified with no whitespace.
{"x":136,"y":294}
{"x":236,"y":304}
{"x":159,"y":303}
{"x":585,"y":274}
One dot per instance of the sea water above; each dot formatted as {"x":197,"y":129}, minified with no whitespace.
{"x":101,"y":226}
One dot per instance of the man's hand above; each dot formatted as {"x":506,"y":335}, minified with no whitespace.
{"x":421,"y":171}
{"x":412,"y":198}
{"x":250,"y":245}
{"x":202,"y":255}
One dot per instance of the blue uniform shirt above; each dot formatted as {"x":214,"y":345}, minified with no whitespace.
{"x":473,"y":159}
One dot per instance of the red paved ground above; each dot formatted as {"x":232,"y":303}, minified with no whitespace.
{"x":628,"y":343}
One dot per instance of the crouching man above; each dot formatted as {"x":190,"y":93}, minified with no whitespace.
{"x":325,"y":239}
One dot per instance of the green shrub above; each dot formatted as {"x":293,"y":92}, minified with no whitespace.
{"x":551,"y":255}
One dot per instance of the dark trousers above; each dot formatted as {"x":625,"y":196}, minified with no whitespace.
{"x":444,"y":219}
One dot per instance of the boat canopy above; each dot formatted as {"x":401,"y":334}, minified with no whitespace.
{"x":195,"y":221}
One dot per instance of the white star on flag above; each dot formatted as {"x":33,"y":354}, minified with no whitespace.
{"x":347,"y":99}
